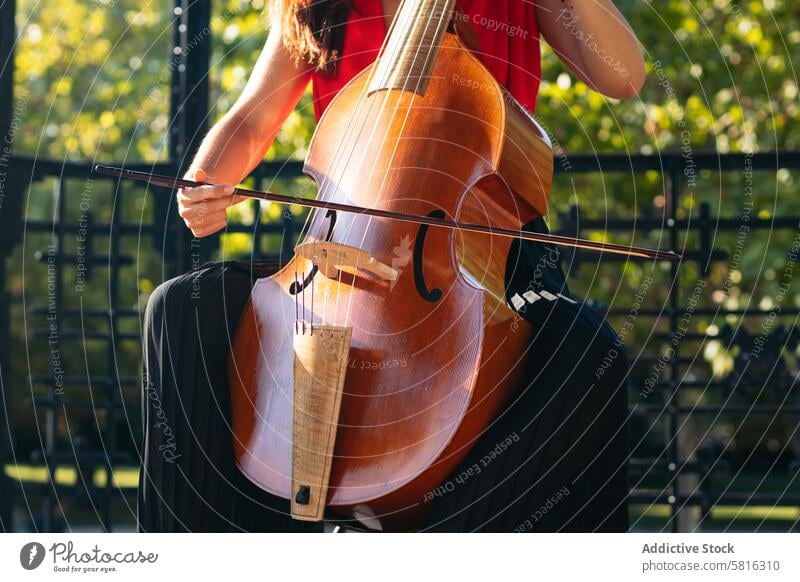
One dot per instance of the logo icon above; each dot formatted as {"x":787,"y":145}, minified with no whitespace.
{"x":31,"y":555}
{"x":402,"y":256}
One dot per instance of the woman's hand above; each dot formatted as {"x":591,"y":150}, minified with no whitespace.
{"x":203,"y":208}
{"x":238,"y":142}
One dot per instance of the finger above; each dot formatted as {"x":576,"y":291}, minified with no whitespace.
{"x":205,"y":206}
{"x":204,"y":219}
{"x":200,"y":175}
{"x":197,"y":193}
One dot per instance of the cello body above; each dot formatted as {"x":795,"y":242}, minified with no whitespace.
{"x":435,"y":353}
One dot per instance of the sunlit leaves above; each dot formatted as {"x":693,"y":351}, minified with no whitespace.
{"x":86,"y":62}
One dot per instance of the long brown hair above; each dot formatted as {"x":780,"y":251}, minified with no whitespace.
{"x":313,"y":30}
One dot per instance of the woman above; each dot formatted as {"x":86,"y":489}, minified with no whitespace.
{"x":562,"y":464}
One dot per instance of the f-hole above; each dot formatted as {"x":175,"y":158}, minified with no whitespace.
{"x":294,"y":289}
{"x":431,"y":295}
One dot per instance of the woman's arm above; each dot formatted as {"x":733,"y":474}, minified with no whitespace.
{"x":238,"y":142}
{"x":595,"y":41}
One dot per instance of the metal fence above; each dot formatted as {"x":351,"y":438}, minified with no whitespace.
{"x":80,"y":411}
{"x":81,"y":298}
{"x":675,"y":478}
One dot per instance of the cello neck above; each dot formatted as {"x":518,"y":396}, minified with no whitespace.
{"x":414,"y":40}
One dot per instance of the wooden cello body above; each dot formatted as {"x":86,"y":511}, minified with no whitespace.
{"x":434,"y":350}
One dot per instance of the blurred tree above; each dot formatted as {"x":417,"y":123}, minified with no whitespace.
{"x":725,"y":68}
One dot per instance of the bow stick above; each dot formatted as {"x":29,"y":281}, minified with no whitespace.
{"x":602,"y":247}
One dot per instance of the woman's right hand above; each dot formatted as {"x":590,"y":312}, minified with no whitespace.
{"x":203,"y":208}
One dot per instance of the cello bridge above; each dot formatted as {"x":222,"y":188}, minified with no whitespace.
{"x":332,"y":257}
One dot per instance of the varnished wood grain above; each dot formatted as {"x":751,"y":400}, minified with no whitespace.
{"x":320,"y":362}
{"x":424,"y":378}
{"x":409,"y":54}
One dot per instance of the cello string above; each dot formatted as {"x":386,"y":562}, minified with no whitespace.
{"x":312,"y":305}
{"x":344,"y":163}
{"x":433,"y":51}
{"x":358,"y":108}
{"x":312,"y":215}
{"x":296,"y":304}
{"x":401,"y":16}
{"x":349,"y":130}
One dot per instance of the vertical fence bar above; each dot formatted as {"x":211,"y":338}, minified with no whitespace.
{"x":189,"y":104}
{"x":55,"y":285}
{"x":7,"y":38}
{"x":111,"y":355}
{"x":674,"y":304}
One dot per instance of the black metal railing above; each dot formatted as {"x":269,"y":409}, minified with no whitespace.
{"x":59,"y":314}
{"x":135,"y":240}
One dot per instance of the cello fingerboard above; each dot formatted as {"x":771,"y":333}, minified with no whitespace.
{"x":320,"y":364}
{"x":412,"y":46}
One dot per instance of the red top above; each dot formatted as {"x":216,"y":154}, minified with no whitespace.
{"x":507,"y":34}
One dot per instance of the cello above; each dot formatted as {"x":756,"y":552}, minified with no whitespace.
{"x":365,"y":401}
{"x":365,"y":369}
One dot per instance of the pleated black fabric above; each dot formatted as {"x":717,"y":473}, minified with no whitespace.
{"x":555,"y":460}
{"x":188,"y":480}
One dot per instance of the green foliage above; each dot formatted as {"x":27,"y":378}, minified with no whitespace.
{"x":99,"y":73}
{"x":726,"y":68}
{"x":95,"y":72}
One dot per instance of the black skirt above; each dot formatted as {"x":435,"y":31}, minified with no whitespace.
{"x":555,"y":460}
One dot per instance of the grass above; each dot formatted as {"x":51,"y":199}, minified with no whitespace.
{"x":67,"y":475}
{"x":726,"y":512}
{"x":128,"y":477}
